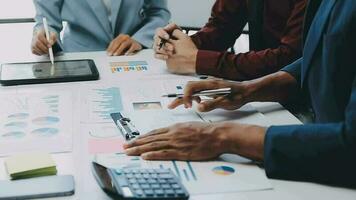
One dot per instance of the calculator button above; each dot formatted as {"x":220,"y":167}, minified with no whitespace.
{"x":162,"y":181}
{"x":127,"y":171}
{"x":118,"y":171}
{"x":145,"y":186}
{"x":138,"y":176}
{"x":149,"y":192}
{"x":151,"y":171}
{"x":155,"y":186}
{"x":162,"y":171}
{"x":135,"y":186}
{"x":165,"y":186}
{"x":166,"y":176}
{"x":151,"y":181}
{"x":127,"y":192}
{"x":146,"y":176}
{"x":122,"y":181}
{"x":159,"y":192}
{"x":141,"y":180}
{"x":129,"y":176}
{"x":180,"y":192}
{"x":175,"y":186}
{"x":171,"y":180}
{"x":169,"y":192}
{"x":139,"y":192}
{"x":135,"y":171}
{"x":132,"y":180}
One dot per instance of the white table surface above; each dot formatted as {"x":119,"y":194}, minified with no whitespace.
{"x":77,"y":162}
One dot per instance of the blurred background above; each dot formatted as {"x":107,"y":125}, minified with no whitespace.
{"x":16,"y":23}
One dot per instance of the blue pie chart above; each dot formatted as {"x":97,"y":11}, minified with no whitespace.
{"x":16,"y":125}
{"x":44,"y":121}
{"x":45,"y":132}
{"x":19,"y":116}
{"x":14,"y":135}
{"x":223,"y":170}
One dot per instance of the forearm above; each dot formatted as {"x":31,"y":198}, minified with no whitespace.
{"x":244,"y":140}
{"x":244,"y":66}
{"x":311,"y":152}
{"x":52,"y":11}
{"x":276,"y":87}
{"x":225,"y":25}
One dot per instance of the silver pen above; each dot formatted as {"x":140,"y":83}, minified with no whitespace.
{"x":50,"y":50}
{"x":216,"y":92}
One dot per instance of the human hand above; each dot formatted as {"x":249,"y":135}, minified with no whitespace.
{"x":183,"y":59}
{"x":164,"y":34}
{"x":238,"y":97}
{"x":199,"y":141}
{"x":123,"y":45}
{"x":188,"y":141}
{"x":40,"y":44}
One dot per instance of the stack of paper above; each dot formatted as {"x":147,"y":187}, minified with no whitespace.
{"x":30,"y":165}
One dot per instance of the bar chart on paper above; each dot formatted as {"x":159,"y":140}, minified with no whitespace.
{"x":130,"y":66}
{"x":184,"y":171}
{"x":102,"y":102}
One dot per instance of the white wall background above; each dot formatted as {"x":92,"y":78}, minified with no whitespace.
{"x":16,"y":9}
{"x":193,"y":13}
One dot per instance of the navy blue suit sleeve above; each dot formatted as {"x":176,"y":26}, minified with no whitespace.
{"x":295,"y":69}
{"x":316,"y":152}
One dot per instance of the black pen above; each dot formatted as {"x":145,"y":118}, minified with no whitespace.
{"x":162,"y":43}
{"x":222,"y":91}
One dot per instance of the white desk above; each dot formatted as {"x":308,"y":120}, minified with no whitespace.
{"x":77,"y":162}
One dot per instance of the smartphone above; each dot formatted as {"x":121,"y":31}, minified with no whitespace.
{"x":42,"y":187}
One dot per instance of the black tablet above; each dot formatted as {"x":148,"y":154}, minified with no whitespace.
{"x":45,"y":72}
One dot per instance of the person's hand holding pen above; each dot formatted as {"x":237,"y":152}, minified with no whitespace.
{"x":240,"y":94}
{"x":163,"y":49}
{"x":176,"y":48}
{"x":40,"y":44}
{"x":204,"y":141}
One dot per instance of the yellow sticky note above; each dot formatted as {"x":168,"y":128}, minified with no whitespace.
{"x":30,"y":165}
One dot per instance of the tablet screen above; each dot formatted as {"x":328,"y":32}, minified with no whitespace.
{"x":45,"y":70}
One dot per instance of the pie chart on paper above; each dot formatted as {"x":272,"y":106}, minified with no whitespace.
{"x":18,"y":125}
{"x":14,"y":135}
{"x":43,"y":121}
{"x":18,"y":116}
{"x":223,"y":170}
{"x":45,"y":132}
